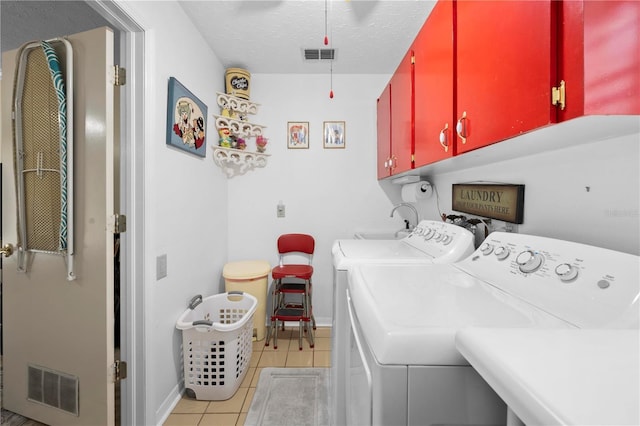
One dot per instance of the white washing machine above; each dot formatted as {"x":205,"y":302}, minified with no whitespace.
{"x":403,"y":365}
{"x":429,"y":242}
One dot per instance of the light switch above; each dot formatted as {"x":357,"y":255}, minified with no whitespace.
{"x":161,"y":266}
{"x":280,"y":210}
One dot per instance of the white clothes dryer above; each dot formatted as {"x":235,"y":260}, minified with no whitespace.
{"x":403,"y":365}
{"x":429,"y":242}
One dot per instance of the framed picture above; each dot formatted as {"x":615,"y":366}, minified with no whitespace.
{"x":334,"y":134}
{"x":298,"y":134}
{"x":186,"y":120}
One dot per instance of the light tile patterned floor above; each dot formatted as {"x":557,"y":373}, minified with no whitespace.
{"x":190,"y":412}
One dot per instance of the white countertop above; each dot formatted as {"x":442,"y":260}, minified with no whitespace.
{"x":560,"y":377}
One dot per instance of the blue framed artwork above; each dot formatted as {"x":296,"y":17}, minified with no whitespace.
{"x":186,"y":120}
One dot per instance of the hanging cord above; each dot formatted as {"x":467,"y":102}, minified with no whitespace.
{"x":331,"y":80}
{"x":326,"y":38}
{"x":438,"y":202}
{"x":326,"y":42}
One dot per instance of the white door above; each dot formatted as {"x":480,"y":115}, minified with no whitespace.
{"x":54,"y":329}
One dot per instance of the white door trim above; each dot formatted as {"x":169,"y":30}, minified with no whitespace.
{"x":132,"y":200}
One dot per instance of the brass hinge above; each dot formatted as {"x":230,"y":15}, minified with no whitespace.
{"x":413,"y":59}
{"x":119,"y":76}
{"x":119,"y":371}
{"x":558,"y":95}
{"x":413,"y":158}
{"x":118,"y":223}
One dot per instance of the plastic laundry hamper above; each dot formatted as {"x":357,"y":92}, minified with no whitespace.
{"x":217,"y":343}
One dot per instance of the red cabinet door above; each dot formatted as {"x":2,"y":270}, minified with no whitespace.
{"x":434,"y":115}
{"x":600,"y":57}
{"x":402,"y":116}
{"x":506,"y":66}
{"x":384,"y":133}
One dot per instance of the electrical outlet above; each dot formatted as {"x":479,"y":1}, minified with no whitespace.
{"x":280,"y":210}
{"x":510,"y":227}
{"x":161,"y":266}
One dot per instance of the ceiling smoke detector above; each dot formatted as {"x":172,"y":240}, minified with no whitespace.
{"x":319,"y":54}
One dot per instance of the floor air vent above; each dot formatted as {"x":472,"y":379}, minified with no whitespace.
{"x":52,"y":388}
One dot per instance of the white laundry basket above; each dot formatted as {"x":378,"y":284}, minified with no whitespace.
{"x":217,"y":343}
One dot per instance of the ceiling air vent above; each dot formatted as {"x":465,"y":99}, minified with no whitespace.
{"x":319,"y":54}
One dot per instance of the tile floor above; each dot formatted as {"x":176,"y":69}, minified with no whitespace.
{"x":190,"y":412}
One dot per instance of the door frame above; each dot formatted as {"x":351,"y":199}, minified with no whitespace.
{"x":132,"y":199}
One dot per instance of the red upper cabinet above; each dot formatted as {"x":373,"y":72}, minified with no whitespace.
{"x":506,"y":66}
{"x":395,"y":122}
{"x":384,"y":133}
{"x":484,"y":71}
{"x":402,"y":116}
{"x":434,"y":115}
{"x":600,"y":57}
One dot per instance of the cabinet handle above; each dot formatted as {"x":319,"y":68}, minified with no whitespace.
{"x":462,"y":128}
{"x":394,"y":162}
{"x":443,"y":137}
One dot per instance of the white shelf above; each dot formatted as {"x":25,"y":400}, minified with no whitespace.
{"x":240,"y":128}
{"x":236,"y":161}
{"x":239,"y":105}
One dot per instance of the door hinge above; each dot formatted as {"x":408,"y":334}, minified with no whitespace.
{"x":119,"y":76}
{"x":118,"y":223}
{"x":119,"y":371}
{"x":558,"y":95}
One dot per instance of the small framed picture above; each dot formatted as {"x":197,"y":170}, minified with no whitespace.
{"x":186,"y":120}
{"x":334,"y":134}
{"x":298,"y":134}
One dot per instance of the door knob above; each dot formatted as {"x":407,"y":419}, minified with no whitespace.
{"x":7,"y":250}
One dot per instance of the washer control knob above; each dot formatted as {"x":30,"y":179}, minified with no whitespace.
{"x":529,"y":261}
{"x":566,"y":272}
{"x":428,"y":234}
{"x":486,"y":249}
{"x":439,"y":237}
{"x":446,"y":239}
{"x":502,"y":252}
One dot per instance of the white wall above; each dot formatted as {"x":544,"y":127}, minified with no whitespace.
{"x":186,"y":196}
{"x":328,"y":193}
{"x":557,"y":201}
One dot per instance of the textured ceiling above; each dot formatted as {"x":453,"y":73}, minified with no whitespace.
{"x":24,"y":21}
{"x":265,"y":36}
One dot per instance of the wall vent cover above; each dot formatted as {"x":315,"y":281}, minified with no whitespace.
{"x":52,"y":388}
{"x":319,"y":54}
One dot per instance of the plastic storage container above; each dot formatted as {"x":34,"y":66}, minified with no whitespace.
{"x":217,"y":344}
{"x":250,"y":276}
{"x":237,"y":82}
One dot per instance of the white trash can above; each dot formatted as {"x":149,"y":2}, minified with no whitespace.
{"x":250,"y":276}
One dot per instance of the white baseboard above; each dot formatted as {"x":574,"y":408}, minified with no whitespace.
{"x":168,"y":405}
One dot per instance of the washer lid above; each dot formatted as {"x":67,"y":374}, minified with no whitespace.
{"x":409,"y":314}
{"x":347,"y":252}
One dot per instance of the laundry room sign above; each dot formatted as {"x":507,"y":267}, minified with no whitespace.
{"x":501,"y":202}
